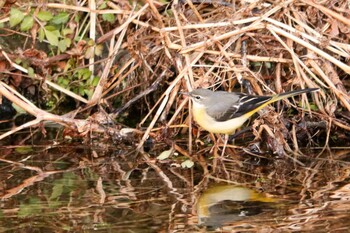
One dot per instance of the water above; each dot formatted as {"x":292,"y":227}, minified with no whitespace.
{"x":100,"y":188}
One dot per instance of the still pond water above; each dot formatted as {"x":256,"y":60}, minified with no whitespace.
{"x":75,"y":188}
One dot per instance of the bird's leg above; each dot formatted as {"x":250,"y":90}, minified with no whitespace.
{"x":215,"y":141}
{"x":225,"y":144}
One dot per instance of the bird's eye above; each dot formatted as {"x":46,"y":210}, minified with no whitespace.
{"x":197,"y":97}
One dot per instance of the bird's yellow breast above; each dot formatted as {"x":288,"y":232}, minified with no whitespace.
{"x":210,"y":124}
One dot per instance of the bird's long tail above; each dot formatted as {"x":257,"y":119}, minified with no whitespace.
{"x":292,"y":93}
{"x":281,"y":96}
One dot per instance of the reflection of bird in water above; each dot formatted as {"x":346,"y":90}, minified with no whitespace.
{"x":227,"y":203}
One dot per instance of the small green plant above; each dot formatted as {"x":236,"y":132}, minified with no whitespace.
{"x":80,"y":82}
{"x":56,"y":30}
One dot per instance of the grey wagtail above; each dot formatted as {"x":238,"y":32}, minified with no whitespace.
{"x":224,"y":112}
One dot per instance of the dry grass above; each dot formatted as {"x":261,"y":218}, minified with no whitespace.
{"x":159,"y":49}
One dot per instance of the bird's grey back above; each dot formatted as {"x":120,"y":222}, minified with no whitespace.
{"x":220,"y":102}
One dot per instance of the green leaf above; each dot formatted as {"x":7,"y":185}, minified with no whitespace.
{"x":18,"y":60}
{"x":165,"y":154}
{"x":89,"y":93}
{"x":71,"y":62}
{"x":50,"y":28}
{"x":16,"y":16}
{"x":84,"y":73}
{"x":95,"y":81}
{"x":313,"y":107}
{"x":67,"y":31}
{"x":68,"y":42}
{"x":99,"y":50}
{"x":41,"y":36}
{"x":44,"y":16}
{"x":90,"y":42}
{"x":103,"y":6}
{"x":51,"y":37}
{"x":61,"y":18}
{"x":62,"y":46}
{"x":268,"y":65}
{"x":89,"y":53}
{"x":31,"y":72}
{"x":63,"y":81}
{"x":77,"y":18}
{"x":27,"y":23}
{"x":18,"y":109}
{"x":24,"y":149}
{"x":81,"y":91}
{"x":108,"y":17}
{"x":57,"y":190}
{"x":256,"y":64}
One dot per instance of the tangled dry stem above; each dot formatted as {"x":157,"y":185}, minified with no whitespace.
{"x":213,"y":44}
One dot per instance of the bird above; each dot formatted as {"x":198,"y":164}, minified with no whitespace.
{"x":224,"y":112}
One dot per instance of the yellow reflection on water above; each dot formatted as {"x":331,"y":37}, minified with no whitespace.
{"x":224,"y":203}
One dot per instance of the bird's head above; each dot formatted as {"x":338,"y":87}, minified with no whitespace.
{"x":199,"y":96}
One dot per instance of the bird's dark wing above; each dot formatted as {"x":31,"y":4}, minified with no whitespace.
{"x":245,"y":104}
